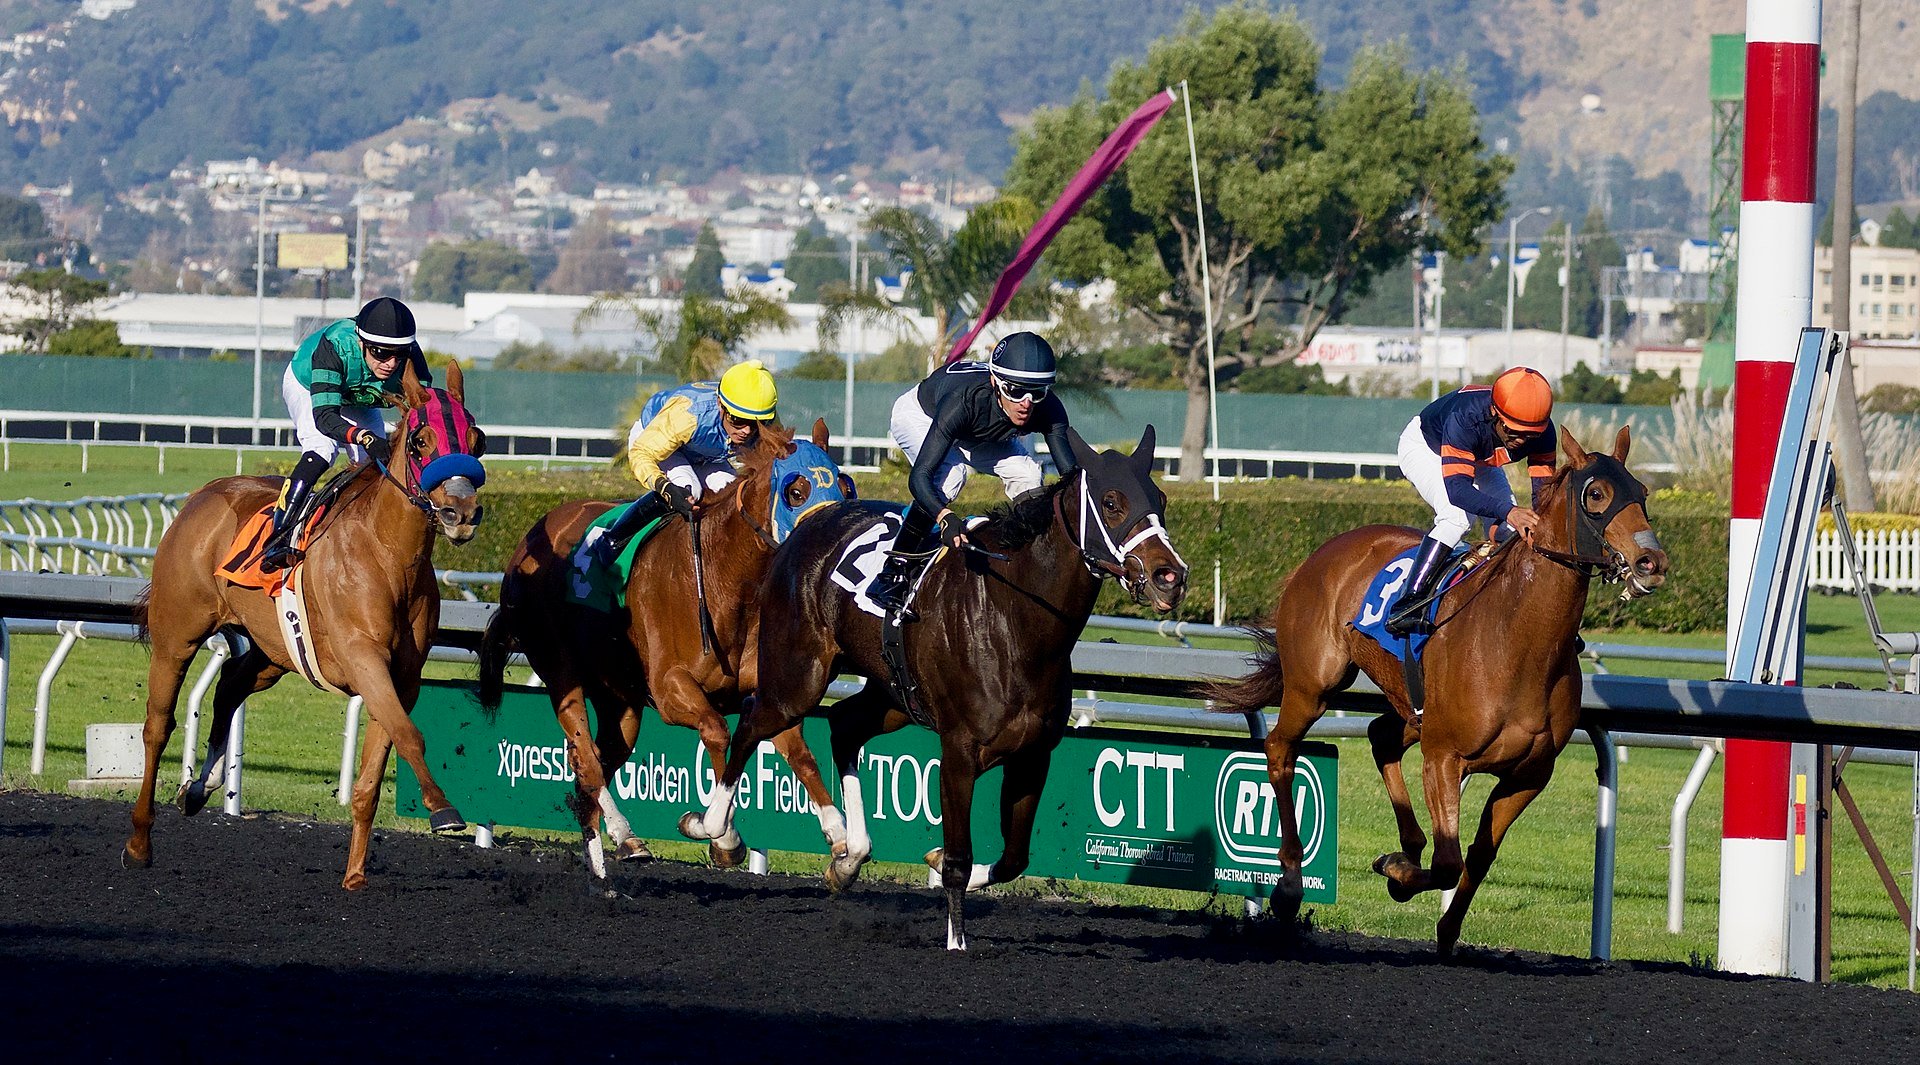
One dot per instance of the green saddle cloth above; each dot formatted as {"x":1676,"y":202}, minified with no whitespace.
{"x":601,"y":587}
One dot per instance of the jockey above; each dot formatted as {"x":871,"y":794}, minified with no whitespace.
{"x":680,"y":447}
{"x":1453,"y":452}
{"x":333,"y":390}
{"x":971,"y":416}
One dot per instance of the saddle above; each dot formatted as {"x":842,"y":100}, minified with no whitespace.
{"x":1379,"y":601}
{"x":284,"y":586}
{"x":604,"y":587}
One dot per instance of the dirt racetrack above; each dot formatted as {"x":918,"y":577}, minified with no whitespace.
{"x":239,"y":945}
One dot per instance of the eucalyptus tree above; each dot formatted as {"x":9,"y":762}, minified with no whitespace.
{"x":1310,"y":192}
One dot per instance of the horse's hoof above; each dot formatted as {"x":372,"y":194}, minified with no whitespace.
{"x":934,"y":857}
{"x":842,"y":871}
{"x":693,"y":825}
{"x":129,"y":860}
{"x":445,"y":820}
{"x":633,"y":849}
{"x":354,"y":881}
{"x":192,"y":798}
{"x":727,"y":857}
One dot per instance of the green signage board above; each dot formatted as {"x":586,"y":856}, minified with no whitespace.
{"x":1121,"y":806}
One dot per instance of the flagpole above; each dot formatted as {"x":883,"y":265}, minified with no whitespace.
{"x":1206,"y":309}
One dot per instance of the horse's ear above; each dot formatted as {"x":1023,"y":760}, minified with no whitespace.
{"x":1143,"y":453}
{"x":1083,"y":455}
{"x":1576,"y":455}
{"x":820,"y":432}
{"x":410,"y":385}
{"x":1621,"y":443}
{"x":456,"y":382}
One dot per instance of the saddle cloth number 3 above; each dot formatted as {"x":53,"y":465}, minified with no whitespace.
{"x":1376,"y":608}
{"x":863,"y":558}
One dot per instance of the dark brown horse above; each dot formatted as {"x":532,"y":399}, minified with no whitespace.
{"x":992,"y":652}
{"x":1502,"y":675}
{"x":373,"y":607}
{"x":653,"y":649}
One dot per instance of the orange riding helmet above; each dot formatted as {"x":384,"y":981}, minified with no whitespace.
{"x":1523,"y":399}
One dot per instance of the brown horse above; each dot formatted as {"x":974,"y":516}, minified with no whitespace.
{"x":372,"y":603}
{"x":653,"y":651}
{"x":992,"y":652}
{"x":1502,"y":674}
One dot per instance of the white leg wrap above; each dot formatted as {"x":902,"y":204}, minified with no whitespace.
{"x":719,"y":819}
{"x":981,"y":876}
{"x":859,"y":844}
{"x":832,"y":825}
{"x":215,"y":769}
{"x":954,"y":942}
{"x":618,"y":826}
{"x":596,"y":857}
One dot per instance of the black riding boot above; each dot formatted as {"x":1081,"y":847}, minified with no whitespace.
{"x":1405,"y":618}
{"x":889,"y":589}
{"x":291,"y":511}
{"x":628,"y":525}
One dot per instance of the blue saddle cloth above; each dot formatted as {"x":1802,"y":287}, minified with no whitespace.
{"x":1385,"y":588}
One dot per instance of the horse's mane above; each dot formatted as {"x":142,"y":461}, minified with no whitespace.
{"x":1020,"y":522}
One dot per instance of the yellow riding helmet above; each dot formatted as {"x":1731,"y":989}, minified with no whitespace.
{"x":747,"y":391}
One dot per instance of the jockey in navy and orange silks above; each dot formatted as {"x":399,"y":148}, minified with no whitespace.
{"x":1454,"y":453}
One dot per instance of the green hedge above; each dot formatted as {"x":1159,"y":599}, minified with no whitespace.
{"x":1264,"y":531}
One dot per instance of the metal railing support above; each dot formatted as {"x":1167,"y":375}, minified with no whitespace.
{"x":6,"y":658}
{"x":350,"y":738}
{"x":208,"y":673}
{"x":236,"y":733}
{"x":70,"y":634}
{"x":1677,"y":836}
{"x":1605,"y":832}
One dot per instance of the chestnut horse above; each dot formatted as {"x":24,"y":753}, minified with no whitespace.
{"x":1502,"y":672}
{"x":992,"y":652}
{"x":372,"y":601}
{"x":653,"y":650}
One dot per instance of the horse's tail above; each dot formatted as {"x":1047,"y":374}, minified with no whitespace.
{"x":142,"y":631}
{"x":1258,"y":689}
{"x":494,"y":645}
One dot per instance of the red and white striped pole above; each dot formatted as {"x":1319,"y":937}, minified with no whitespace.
{"x":1775,"y":303}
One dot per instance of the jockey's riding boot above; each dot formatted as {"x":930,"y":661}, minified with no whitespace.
{"x":291,"y":511}
{"x":614,"y":539}
{"x":889,"y":589}
{"x":1405,"y":617}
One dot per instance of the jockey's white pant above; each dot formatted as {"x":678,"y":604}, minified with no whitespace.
{"x":300,"y":408}
{"x":1011,"y":460}
{"x":1422,"y":468}
{"x":698,"y":475}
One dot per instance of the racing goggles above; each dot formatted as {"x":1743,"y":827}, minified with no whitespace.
{"x":1021,"y":392}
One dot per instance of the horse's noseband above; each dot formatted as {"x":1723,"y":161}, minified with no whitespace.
{"x":1591,"y":551}
{"x":1117,"y":560}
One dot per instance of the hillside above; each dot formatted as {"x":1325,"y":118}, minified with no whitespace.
{"x":620,"y":89}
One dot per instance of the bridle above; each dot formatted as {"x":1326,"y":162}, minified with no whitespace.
{"x":1105,"y":557}
{"x":1592,"y":556}
{"x":439,"y":517}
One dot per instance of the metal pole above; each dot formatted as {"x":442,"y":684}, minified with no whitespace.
{"x":1513,"y":225}
{"x":207,"y":674}
{"x":259,"y":305}
{"x":1607,"y":804}
{"x":853,"y":279}
{"x":1439,"y":298}
{"x":43,"y":695}
{"x":1677,"y":838}
{"x":1206,"y":292}
{"x":359,"y":246}
{"x":1566,"y":295}
{"x":6,"y":656}
{"x":235,"y":734}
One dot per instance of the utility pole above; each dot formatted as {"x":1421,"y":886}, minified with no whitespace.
{"x":1566,"y":295}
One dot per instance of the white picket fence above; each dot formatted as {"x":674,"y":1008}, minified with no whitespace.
{"x":1891,"y":559}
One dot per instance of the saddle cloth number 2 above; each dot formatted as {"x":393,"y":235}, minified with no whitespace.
{"x":1375,"y":609}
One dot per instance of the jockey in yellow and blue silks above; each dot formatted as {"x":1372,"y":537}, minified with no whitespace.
{"x":1454,"y":453}
{"x":334,"y":389}
{"x":681,"y":446}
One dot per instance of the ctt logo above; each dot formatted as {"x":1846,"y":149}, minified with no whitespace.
{"x":1246,"y":814}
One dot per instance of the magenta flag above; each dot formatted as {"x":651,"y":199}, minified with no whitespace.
{"x":1105,"y":160}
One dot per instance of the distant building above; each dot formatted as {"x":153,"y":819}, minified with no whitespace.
{"x":1885,"y":291}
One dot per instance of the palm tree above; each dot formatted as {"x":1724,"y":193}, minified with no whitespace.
{"x":694,"y":341}
{"x":943,"y":274}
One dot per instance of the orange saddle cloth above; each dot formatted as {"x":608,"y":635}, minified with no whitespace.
{"x":242,"y":565}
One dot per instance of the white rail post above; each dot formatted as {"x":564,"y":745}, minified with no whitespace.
{"x":6,"y":656}
{"x":1677,"y":837}
{"x":350,"y":737}
{"x":43,"y":695}
{"x":235,"y":744}
{"x":1606,"y":808}
{"x":188,"y":764}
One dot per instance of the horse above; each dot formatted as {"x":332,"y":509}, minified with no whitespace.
{"x":661,"y":648}
{"x":992,"y":652}
{"x":373,"y":607}
{"x":1502,"y":673}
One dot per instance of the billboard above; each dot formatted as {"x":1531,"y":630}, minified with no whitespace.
{"x":313,"y":251}
{"x":1121,"y":805}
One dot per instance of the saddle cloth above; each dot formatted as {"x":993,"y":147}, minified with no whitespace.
{"x":602,"y":587}
{"x":861,"y":560}
{"x":242,"y":567}
{"x":1385,"y":588}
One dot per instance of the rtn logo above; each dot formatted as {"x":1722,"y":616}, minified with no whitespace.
{"x":1246,"y":813}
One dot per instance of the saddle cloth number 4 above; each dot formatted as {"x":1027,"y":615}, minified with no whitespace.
{"x":1376,"y":608}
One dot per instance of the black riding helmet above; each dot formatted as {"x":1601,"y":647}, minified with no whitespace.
{"x":1023,"y":358}
{"x":385,"y":321}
